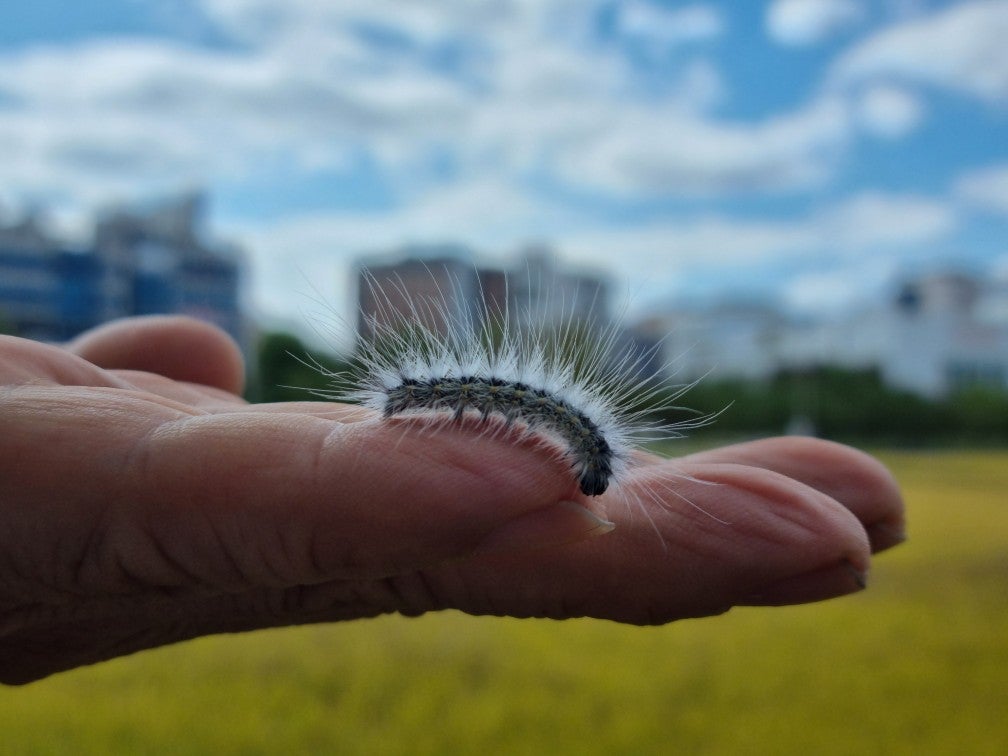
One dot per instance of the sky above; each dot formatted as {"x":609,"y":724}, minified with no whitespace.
{"x":805,"y":152}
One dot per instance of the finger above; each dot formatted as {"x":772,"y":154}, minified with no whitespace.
{"x":786,"y":544}
{"x":853,"y":478}
{"x":31,"y":362}
{"x":206,"y":398}
{"x":181,"y":348}
{"x":344,"y":413}
{"x":731,"y":535}
{"x":24,"y":361}
{"x":150,"y":494}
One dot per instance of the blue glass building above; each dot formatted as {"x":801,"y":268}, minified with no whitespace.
{"x":141,"y":261}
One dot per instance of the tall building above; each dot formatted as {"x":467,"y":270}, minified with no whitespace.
{"x":541,"y":293}
{"x":440,"y":285}
{"x":948,"y":332}
{"x":49,"y":290}
{"x":158,"y":261}
{"x":430,"y":285}
{"x":141,"y":261}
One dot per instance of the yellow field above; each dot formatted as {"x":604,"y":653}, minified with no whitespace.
{"x":916,"y":664}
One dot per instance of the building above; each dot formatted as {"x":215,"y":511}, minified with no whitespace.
{"x":430,"y":285}
{"x":543,"y":294}
{"x":947,"y":332}
{"x":156,"y":260}
{"x":140,"y":261}
{"x":733,"y":340}
{"x":49,"y":290}
{"x":936,"y":335}
{"x":441,"y":285}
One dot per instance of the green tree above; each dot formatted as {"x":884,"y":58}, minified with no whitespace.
{"x":287,"y":370}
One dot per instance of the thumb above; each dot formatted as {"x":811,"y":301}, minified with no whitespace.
{"x":177,"y":347}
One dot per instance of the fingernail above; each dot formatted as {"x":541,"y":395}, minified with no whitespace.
{"x":827,"y":582}
{"x":884,"y":535}
{"x":565,"y":522}
{"x":860,"y":577}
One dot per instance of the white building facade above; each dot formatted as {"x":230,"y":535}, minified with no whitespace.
{"x":939,"y":334}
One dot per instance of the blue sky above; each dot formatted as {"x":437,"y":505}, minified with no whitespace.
{"x":808,"y":151}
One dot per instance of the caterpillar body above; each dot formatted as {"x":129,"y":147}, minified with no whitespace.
{"x":515,"y":401}
{"x":442,"y":356}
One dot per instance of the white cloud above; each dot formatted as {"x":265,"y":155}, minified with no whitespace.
{"x":961,"y":48}
{"x":838,"y":288}
{"x":497,"y":219}
{"x":888,"y":111}
{"x":268,"y":22}
{"x":530,"y":95}
{"x":700,"y":87}
{"x":871,"y":220}
{"x":853,"y":246}
{"x":643,"y":150}
{"x":669,"y":26}
{"x":806,"y":22}
{"x":103,"y":119}
{"x":492,"y":217}
{"x":308,"y":91}
{"x":999,"y":269}
{"x":986,"y":189}
{"x":858,"y":226}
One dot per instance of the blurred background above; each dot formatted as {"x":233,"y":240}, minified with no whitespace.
{"x":805,"y":201}
{"x":790,"y":197}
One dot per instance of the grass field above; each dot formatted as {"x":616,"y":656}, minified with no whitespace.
{"x":916,"y":664}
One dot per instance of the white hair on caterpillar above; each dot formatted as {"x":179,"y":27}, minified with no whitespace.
{"x":441,"y":359}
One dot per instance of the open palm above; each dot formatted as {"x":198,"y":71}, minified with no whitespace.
{"x":143,"y":502}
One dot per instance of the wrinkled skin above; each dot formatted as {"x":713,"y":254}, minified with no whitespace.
{"x":142,"y":502}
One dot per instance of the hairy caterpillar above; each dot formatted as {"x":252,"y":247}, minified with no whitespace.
{"x":589,"y":450}
{"x":443,"y":351}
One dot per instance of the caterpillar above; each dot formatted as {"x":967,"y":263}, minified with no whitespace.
{"x":445,"y":354}
{"x":588,"y":448}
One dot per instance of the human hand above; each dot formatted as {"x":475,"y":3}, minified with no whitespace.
{"x":142,"y":502}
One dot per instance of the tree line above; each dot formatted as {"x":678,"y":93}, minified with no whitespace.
{"x":831,"y":402}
